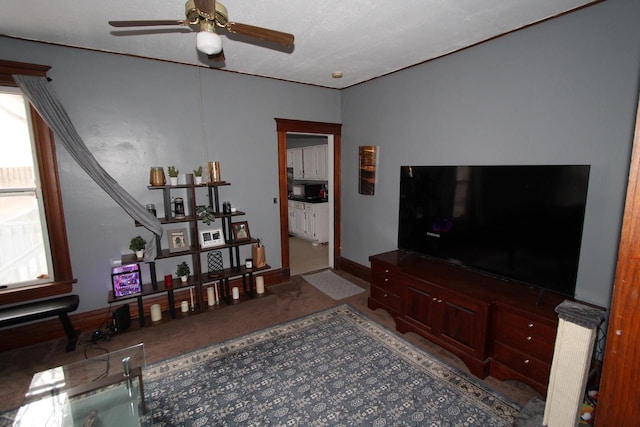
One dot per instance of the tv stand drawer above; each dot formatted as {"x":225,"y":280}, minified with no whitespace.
{"x":385,"y":297}
{"x":532,"y":369}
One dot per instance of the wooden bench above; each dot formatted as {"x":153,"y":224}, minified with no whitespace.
{"x":59,"y":306}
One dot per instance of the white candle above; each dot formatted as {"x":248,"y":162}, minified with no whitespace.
{"x":191,"y":296}
{"x":259,"y":285}
{"x":156,"y":314}
{"x":184,"y":306}
{"x":210,"y":299}
{"x":236,"y":293}
{"x":217,"y":293}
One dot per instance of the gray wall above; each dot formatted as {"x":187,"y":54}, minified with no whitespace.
{"x":135,"y":113}
{"x":564,"y":91}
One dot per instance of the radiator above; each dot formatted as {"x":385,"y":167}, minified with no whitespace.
{"x":577,"y":330}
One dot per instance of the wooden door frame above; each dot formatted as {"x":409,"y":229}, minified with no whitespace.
{"x":285,"y":126}
{"x":620,"y":373}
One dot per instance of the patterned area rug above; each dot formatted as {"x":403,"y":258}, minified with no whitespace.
{"x":332,"y":368}
{"x":333,"y":285}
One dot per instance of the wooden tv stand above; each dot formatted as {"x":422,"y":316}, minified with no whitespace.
{"x":498,"y":328}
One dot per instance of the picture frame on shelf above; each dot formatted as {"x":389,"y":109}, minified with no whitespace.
{"x":126,"y":280}
{"x":241,"y":231}
{"x":211,"y":238}
{"x":178,"y":240}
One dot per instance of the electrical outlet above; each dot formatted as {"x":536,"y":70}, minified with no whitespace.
{"x":275,"y":200}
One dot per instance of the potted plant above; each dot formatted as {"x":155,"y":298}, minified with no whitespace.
{"x":205,"y":214}
{"x":197,"y":173}
{"x":137,"y":245}
{"x":173,"y":175}
{"x":183,"y":271}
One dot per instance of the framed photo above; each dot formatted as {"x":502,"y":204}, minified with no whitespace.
{"x":241,"y":231}
{"x":178,"y":240}
{"x":211,"y":238}
{"x":125,"y":280}
{"x":368,"y":163}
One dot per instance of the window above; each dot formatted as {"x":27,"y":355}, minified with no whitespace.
{"x":31,"y":192}
{"x":24,"y":242}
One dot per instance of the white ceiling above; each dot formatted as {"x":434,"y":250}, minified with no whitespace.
{"x":363,"y":39}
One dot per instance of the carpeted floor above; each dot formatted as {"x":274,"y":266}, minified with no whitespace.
{"x":334,"y":367}
{"x":282,"y":302}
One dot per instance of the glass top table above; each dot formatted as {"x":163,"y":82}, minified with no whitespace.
{"x":105,"y":390}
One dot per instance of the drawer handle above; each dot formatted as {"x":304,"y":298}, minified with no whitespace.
{"x":529,"y":338}
{"x":439,"y":301}
{"x":386,"y":271}
{"x":526,"y":361}
{"x":386,"y":295}
{"x":435,"y":299}
{"x":386,"y":280}
{"x":530,"y":325}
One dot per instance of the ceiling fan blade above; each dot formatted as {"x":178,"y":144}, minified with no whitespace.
{"x":260,"y":33}
{"x":218,"y":57}
{"x":206,"y":7}
{"x":146,"y":23}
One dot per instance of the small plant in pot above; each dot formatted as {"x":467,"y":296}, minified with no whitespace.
{"x":183,"y":271}
{"x":137,"y":245}
{"x":173,"y":175}
{"x":197,"y":173}
{"x":205,"y":214}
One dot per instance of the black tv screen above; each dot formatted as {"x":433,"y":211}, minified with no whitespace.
{"x":522,"y":223}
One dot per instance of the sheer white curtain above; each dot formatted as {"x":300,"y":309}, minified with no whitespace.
{"x":37,"y":90}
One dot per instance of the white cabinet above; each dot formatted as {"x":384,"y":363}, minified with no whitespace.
{"x":291,"y":218}
{"x":320,"y":212}
{"x":294,"y":157}
{"x":299,"y":220}
{"x":315,"y":162}
{"x":308,"y":163}
{"x":309,"y":220}
{"x":289,"y":158}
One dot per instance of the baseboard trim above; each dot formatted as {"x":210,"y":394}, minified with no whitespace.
{"x":89,"y":321}
{"x":353,"y":268}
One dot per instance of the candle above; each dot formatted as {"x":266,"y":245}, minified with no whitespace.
{"x":156,"y":314}
{"x":236,"y":293}
{"x":191,"y":296}
{"x":184,"y":306}
{"x":210,"y":299}
{"x":168,"y":281}
{"x":259,"y":285}
{"x":217,"y":293}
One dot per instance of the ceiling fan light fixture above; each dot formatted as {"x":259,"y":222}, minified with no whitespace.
{"x":208,"y":42}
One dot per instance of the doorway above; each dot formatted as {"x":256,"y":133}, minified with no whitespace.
{"x":308,"y":182}
{"x":331,"y":131}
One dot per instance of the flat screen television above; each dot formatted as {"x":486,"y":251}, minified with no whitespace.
{"x":522,"y":223}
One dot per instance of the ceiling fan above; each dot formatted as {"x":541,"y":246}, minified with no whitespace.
{"x":206,"y":16}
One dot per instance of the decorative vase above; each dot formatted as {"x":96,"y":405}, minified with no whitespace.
{"x":140,"y":254}
{"x":156,"y":176}
{"x":173,"y":180}
{"x":214,"y":171}
{"x":197,"y":180}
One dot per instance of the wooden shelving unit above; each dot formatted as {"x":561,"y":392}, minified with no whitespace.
{"x":199,"y":278}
